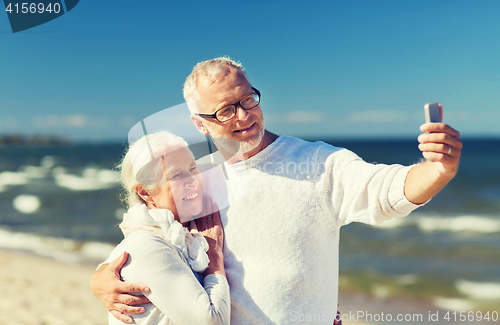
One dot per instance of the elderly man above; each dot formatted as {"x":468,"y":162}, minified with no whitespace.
{"x":282,"y":236}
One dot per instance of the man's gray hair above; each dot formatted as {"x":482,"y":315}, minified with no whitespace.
{"x":209,"y":68}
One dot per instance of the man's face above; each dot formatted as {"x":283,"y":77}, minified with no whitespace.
{"x":227,"y":88}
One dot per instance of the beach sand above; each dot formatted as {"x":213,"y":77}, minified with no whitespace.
{"x":40,"y":291}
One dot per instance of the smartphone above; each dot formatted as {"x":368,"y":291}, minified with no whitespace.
{"x":432,"y":113}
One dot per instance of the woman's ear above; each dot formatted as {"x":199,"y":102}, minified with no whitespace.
{"x":145,"y":195}
{"x":199,"y":124}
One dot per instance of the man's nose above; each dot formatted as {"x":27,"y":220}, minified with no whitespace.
{"x":241,"y":113}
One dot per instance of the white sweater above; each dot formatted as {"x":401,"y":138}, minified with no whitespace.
{"x":162,"y":254}
{"x":176,"y":294}
{"x":287,"y":204}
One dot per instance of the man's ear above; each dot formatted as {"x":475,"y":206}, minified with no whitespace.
{"x":145,"y":195}
{"x":199,"y":124}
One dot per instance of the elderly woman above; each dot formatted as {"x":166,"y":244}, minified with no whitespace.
{"x":164,"y":190}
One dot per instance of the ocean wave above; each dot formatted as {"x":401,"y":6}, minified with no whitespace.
{"x":61,"y":249}
{"x":8,"y":178}
{"x":457,"y":224}
{"x":465,"y":223}
{"x":479,"y":290}
{"x":454,"y":304}
{"x":90,"y":178}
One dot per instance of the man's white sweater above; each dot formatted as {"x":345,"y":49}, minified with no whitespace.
{"x":287,"y":204}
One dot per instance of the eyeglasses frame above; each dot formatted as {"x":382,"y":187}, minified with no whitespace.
{"x":214,"y":115}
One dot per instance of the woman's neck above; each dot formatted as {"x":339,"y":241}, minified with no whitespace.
{"x":175,"y":213}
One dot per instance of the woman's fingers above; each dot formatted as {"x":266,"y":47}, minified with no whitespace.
{"x":201,"y":223}
{"x":208,"y":206}
{"x":216,"y":215}
{"x":210,"y":219}
{"x":209,"y":213}
{"x":192,"y":227}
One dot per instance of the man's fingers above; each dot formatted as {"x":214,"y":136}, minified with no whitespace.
{"x":439,"y":128}
{"x":127,"y":309}
{"x":442,"y":158}
{"x":130,"y":300}
{"x":125,"y":305}
{"x":121,"y":317}
{"x":132,"y":287}
{"x":442,"y":138}
{"x":117,"y":264}
{"x":441,"y":143}
{"x":439,"y":148}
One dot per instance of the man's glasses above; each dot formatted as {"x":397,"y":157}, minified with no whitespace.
{"x":226,"y":113}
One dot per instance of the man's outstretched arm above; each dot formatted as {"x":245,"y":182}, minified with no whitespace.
{"x":106,"y":285}
{"x":442,"y":148}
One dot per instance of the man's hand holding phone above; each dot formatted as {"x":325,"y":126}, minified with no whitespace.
{"x":441,"y":147}
{"x":440,"y":143}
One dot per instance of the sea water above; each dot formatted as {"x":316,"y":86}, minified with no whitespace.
{"x":64,"y":202}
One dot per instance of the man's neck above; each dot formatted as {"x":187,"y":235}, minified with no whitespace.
{"x":267,"y":139}
{"x":232,"y":157}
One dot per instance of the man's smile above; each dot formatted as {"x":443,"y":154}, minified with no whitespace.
{"x":245,"y":130}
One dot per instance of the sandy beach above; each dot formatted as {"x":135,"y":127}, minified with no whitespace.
{"x":41,"y":291}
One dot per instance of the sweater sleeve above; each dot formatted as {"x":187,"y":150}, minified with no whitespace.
{"x":352,"y":190}
{"x":175,"y":291}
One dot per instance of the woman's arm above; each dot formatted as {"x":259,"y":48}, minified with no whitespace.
{"x":175,"y":291}
{"x":108,"y":286}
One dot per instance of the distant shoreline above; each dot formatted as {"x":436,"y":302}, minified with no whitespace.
{"x":32,"y":141}
{"x":15,"y":140}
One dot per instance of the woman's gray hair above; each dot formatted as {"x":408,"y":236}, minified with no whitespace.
{"x":143,"y":163}
{"x":209,"y":68}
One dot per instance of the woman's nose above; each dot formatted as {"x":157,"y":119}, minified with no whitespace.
{"x":193,"y":181}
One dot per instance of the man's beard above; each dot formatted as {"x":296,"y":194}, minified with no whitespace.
{"x":252,"y":143}
{"x":233,"y":148}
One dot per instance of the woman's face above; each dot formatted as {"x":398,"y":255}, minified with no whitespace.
{"x":183,"y":194}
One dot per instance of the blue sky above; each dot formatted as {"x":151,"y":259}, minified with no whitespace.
{"x":325,"y":69}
